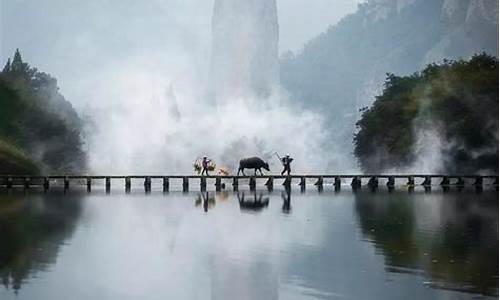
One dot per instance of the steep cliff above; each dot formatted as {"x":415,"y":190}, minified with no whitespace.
{"x":244,"y":48}
{"x":341,"y":70}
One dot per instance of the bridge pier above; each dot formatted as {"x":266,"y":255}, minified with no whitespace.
{"x":356,"y":182}
{"x":460,"y":181}
{"x":445,"y":181}
{"x":288,"y":182}
{"x":203,"y":184}
{"x":185,"y":184}
{"x":337,"y":183}
{"x":66,"y":183}
{"x":302,"y":184}
{"x":89,"y":184}
{"x":478,"y":181}
{"x":235,"y":184}
{"x":411,"y":181}
{"x":391,"y":182}
{"x":166,"y":184}
{"x":218,"y":184}
{"x":373,"y":182}
{"x":147,"y":184}
{"x":26,"y":182}
{"x":427,"y":181}
{"x":10,"y":182}
{"x":252,"y":183}
{"x":270,"y":183}
{"x":128,"y":184}
{"x":319,"y":182}
{"x":108,"y":184}
{"x":46,"y":184}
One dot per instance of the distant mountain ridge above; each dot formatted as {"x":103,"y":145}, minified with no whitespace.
{"x":342,"y":69}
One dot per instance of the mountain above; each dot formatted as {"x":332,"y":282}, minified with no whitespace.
{"x":39,"y":129}
{"x":244,"y":48}
{"x":341,"y":70}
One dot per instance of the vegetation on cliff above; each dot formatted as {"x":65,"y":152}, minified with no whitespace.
{"x":36,"y":120}
{"x":341,"y":70}
{"x":457,"y":101}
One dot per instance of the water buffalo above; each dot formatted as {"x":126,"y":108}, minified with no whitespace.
{"x":255,"y":163}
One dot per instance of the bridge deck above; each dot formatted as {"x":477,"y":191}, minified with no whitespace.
{"x":478,"y":181}
{"x":308,"y":176}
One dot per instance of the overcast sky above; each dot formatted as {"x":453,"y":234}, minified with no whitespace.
{"x":71,"y":39}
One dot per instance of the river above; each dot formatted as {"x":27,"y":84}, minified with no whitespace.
{"x":249,"y":245}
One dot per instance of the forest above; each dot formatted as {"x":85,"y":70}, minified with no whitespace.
{"x":39,"y":129}
{"x":457,"y":100}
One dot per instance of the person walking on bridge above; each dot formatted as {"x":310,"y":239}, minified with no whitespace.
{"x":286,"y":161}
{"x":205,"y":164}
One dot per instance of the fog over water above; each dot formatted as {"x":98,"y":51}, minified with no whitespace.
{"x":140,"y":72}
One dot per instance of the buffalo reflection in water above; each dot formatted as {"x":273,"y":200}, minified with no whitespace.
{"x":253,"y":204}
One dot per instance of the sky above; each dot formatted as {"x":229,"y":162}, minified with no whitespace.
{"x":117,"y":60}
{"x":74,"y":39}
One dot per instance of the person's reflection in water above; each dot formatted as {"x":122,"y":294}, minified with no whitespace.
{"x":256,"y":203}
{"x":206,"y":199}
{"x":286,"y":195}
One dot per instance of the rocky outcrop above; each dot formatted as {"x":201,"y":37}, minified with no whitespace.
{"x":469,"y":26}
{"x":244,"y":48}
{"x":342,"y":69}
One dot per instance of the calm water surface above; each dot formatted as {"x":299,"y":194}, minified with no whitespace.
{"x":247,"y":245}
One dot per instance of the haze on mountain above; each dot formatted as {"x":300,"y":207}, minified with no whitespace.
{"x":341,"y":70}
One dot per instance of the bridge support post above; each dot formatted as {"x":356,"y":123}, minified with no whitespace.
{"x":166,"y":184}
{"x":66,"y":183}
{"x":10,"y":182}
{"x":373,"y":182}
{"x":356,"y":182}
{"x":218,"y":184}
{"x":108,"y":184}
{"x":495,"y":183}
{"x":391,"y":182}
{"x":319,"y":182}
{"x":203,"y":184}
{"x":26,"y":182}
{"x":445,"y":181}
{"x":427,"y":181}
{"x":235,"y":183}
{"x":411,"y":181}
{"x":46,"y":184}
{"x":337,"y":183}
{"x":288,"y":182}
{"x":252,"y":183}
{"x":270,"y":183}
{"x":147,"y":184}
{"x":302,"y":184}
{"x":89,"y":184}
{"x":185,"y":184}
{"x":460,"y":181}
{"x":479,"y":181}
{"x":128,"y":184}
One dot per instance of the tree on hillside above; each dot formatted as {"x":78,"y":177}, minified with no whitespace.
{"x":458,"y":100}
{"x":36,"y":118}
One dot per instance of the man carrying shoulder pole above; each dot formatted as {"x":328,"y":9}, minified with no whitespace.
{"x":286,"y":162}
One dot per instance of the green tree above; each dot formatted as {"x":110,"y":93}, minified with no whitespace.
{"x":458,"y":97}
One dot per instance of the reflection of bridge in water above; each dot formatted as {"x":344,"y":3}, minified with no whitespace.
{"x":220,"y":182}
